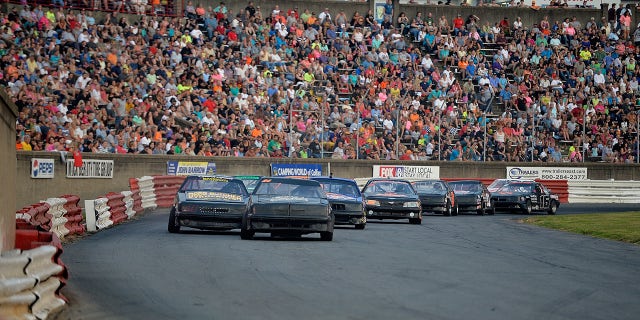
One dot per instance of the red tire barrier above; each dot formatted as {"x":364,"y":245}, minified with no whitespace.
{"x":74,"y":222}
{"x":165,"y":189}
{"x":117,"y":207}
{"x":559,"y":187}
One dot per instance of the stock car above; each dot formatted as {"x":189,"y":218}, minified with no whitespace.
{"x":392,"y":199}
{"x":250,"y":182}
{"x":209,"y":203}
{"x":288,"y":206}
{"x":472,"y":195}
{"x":345,"y":199}
{"x":436,"y":196}
{"x":526,"y":196}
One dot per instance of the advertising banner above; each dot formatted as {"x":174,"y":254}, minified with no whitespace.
{"x":42,"y":168}
{"x":406,"y":172}
{"x":547,"y":173}
{"x":91,"y":169}
{"x":289,"y":169}
{"x":190,"y":168}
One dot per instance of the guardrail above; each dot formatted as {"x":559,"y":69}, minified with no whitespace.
{"x":604,"y":191}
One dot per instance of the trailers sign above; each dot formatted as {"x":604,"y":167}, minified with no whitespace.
{"x":91,"y":169}
{"x":547,"y":173}
{"x":406,"y":172}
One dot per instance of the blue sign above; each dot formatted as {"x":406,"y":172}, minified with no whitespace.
{"x":289,"y":169}
{"x":190,"y":168}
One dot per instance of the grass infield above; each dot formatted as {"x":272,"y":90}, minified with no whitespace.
{"x":615,"y":226}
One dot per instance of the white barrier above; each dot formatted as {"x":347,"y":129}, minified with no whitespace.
{"x":42,"y":266}
{"x":58,"y":218}
{"x":604,"y":191}
{"x":128,"y":203}
{"x":147,"y":192}
{"x":102,"y":213}
{"x":47,"y":302}
{"x":28,"y":283}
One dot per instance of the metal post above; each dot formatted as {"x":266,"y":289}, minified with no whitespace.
{"x":533,"y":133}
{"x":584,"y":132}
{"x":484,"y":136}
{"x":359,"y":124}
{"x":397,"y":133}
{"x":439,"y":135}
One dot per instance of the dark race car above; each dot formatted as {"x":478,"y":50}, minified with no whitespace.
{"x":345,"y":199}
{"x":526,"y":197}
{"x":250,"y":182}
{"x":209,"y":203}
{"x":392,"y":199}
{"x":288,"y":206}
{"x":436,"y":196}
{"x":472,"y":195}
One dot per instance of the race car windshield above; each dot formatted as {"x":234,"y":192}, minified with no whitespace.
{"x":466,"y":187}
{"x":430,"y":187}
{"x":518,"y":188}
{"x":277,"y":188}
{"x":394,"y":187}
{"x":497,"y":184}
{"x":250,"y":184}
{"x":340,"y":187}
{"x":215,"y":185}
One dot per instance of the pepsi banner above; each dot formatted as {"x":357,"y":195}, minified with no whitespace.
{"x":289,"y":169}
{"x":42,"y":168}
{"x":406,"y":172}
{"x":190,"y":168}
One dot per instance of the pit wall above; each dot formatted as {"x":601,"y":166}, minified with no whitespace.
{"x":8,"y":113}
{"x":31,"y":190}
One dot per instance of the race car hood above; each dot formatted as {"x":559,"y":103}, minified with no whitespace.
{"x":392,"y":196}
{"x":271,"y":199}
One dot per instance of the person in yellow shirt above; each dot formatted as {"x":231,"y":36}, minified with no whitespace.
{"x":26,"y":143}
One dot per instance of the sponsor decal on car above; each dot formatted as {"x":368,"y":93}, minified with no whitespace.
{"x":207,"y":195}
{"x":337,"y":196}
{"x":287,"y":198}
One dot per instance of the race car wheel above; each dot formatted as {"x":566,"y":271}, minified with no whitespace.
{"x":481,"y":211}
{"x":527,"y":208}
{"x":553,"y":208}
{"x":455,"y":211}
{"x":415,"y":220}
{"x":492,"y":211}
{"x":326,"y":236}
{"x":173,"y":226}
{"x":360,"y":226}
{"x":448,"y":210}
{"x":246,"y":234}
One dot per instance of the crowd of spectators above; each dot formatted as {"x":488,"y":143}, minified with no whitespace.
{"x":284,"y":82}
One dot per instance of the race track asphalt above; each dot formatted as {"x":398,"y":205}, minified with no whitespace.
{"x":465,"y":267}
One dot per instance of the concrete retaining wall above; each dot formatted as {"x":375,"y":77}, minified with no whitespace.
{"x":8,"y":114}
{"x":127,"y":166}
